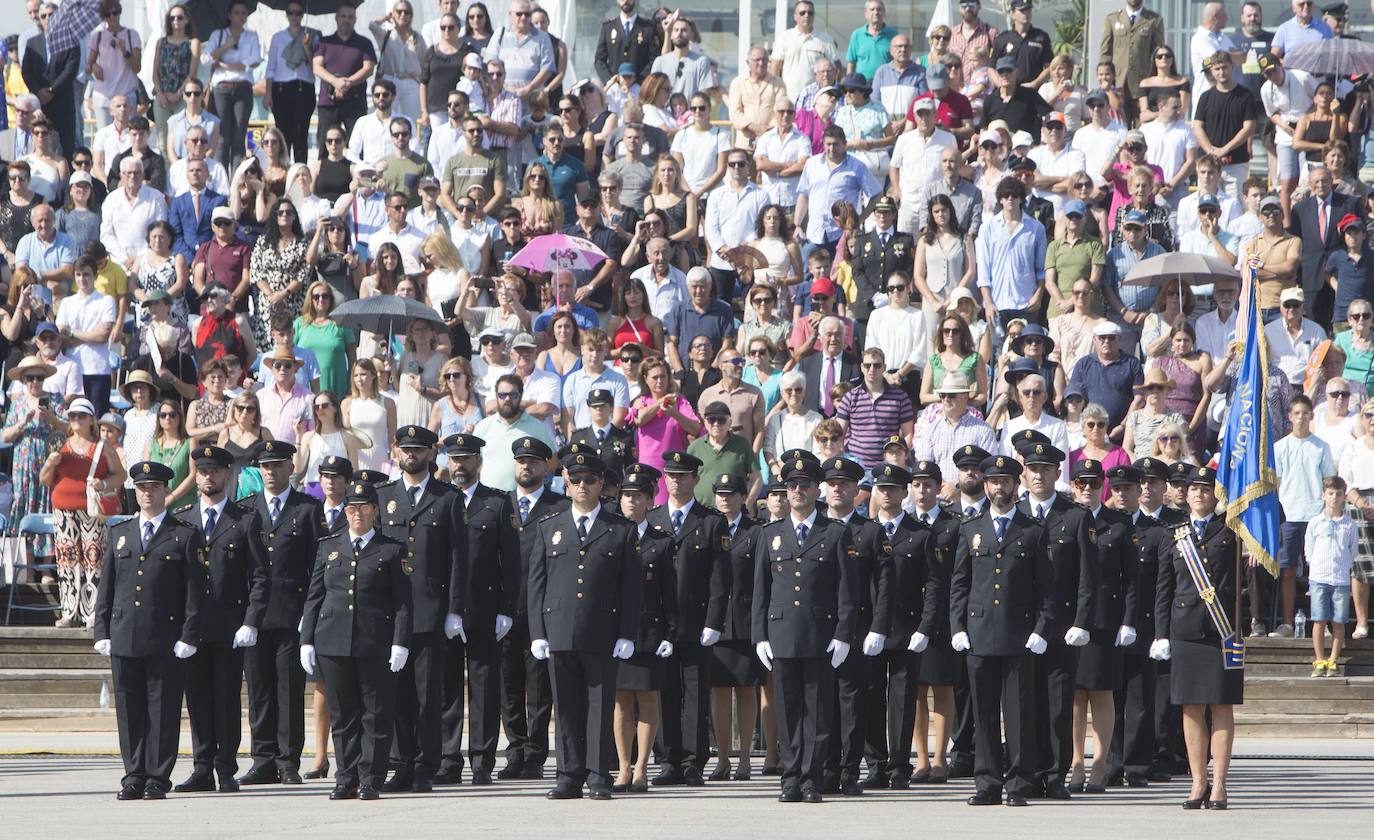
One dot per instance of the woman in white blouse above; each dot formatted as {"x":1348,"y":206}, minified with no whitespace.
{"x":232,"y":53}
{"x":399,"y":51}
{"x":791,"y":425}
{"x":114,"y":55}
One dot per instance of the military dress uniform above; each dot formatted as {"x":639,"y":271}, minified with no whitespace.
{"x":357,"y":613}
{"x":733,"y":662}
{"x":1129,"y":41}
{"x":276,"y":681}
{"x":493,"y":553}
{"x":148,"y":613}
{"x":526,"y":695}
{"x":428,"y":520}
{"x":614,"y":445}
{"x":639,"y":45}
{"x":1171,"y":754}
{"x":874,"y":256}
{"x":585,"y":587}
{"x":234,"y":563}
{"x":1001,"y":592}
{"x":702,"y":566}
{"x":1100,"y":660}
{"x":806,"y":594}
{"x":332,"y":519}
{"x":643,"y":671}
{"x":962,"y":739}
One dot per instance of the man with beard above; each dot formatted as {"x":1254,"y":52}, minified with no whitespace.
{"x":969,"y":500}
{"x":510,"y":424}
{"x":493,"y":551}
{"x":425,"y":515}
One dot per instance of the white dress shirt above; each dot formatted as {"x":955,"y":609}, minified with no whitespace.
{"x":124,"y":222}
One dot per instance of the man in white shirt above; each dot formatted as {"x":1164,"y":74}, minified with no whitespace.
{"x":1287,"y":95}
{"x":371,"y":137}
{"x":916,"y":160}
{"x":399,"y":232}
{"x":1171,"y":145}
{"x":1055,"y":161}
{"x":1293,"y":338}
{"x":594,"y":375}
{"x":780,"y":155}
{"x":665,"y":283}
{"x":796,"y":50}
{"x":1209,"y":237}
{"x":112,"y":139}
{"x":1208,"y":183}
{"x":85,"y":319}
{"x":731,"y":213}
{"x":1099,"y":139}
{"x":1207,"y":40}
{"x":1217,"y":329}
{"x":127,"y":212}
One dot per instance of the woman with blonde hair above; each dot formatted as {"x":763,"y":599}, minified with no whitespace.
{"x":372,"y":413}
{"x":459,"y":409}
{"x":1171,"y":444}
{"x":241,"y":437}
{"x":653,"y":98}
{"x":540,"y":211}
{"x":328,"y":437}
{"x":275,"y":159}
{"x":334,"y":346}
{"x":1145,"y":421}
{"x":670,"y":196}
{"x":1062,"y":94}
{"x":419,"y":367}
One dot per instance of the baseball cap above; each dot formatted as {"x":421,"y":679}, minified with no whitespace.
{"x":1095,"y":96}
{"x":1055,"y":117}
{"x":990,"y":137}
{"x":1005,"y":63}
{"x":1106,"y":328}
{"x":429,"y":182}
{"x":1133,"y":137}
{"x":523,"y":339}
{"x":937,"y":77}
{"x":1267,"y":61}
{"x":79,"y":177}
{"x":1022,"y":138}
{"x":1074,"y":206}
{"x":1133,"y":217}
{"x":1208,"y":200}
{"x":1270,"y":201}
{"x":46,"y":326}
{"x":923,"y":103}
{"x":1293,"y":293}
{"x":221,"y":213}
{"x":823,"y":286}
{"x":1349,"y":220}
{"x":625,"y":69}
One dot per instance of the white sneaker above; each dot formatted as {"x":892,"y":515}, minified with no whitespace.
{"x":1283,"y":631}
{"x":1258,"y":628}
{"x":1360,"y":633}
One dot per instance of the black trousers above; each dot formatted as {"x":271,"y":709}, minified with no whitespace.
{"x":479,"y":655}
{"x":214,"y":681}
{"x":293,"y":103}
{"x":850,"y":714}
{"x":148,"y":711}
{"x":584,"y":702}
{"x":362,"y":694}
{"x":276,"y":699}
{"x":1133,"y":739}
{"x":1170,"y":750}
{"x":686,"y":702}
{"x":97,"y":390}
{"x":418,"y":747}
{"x":1003,"y":695}
{"x":965,"y":721}
{"x":1055,"y":672}
{"x":804,"y":697}
{"x":526,"y":698}
{"x":344,"y":113}
{"x":233,"y":104}
{"x":891,"y":717}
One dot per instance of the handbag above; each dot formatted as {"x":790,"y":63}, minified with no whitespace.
{"x":97,"y":503}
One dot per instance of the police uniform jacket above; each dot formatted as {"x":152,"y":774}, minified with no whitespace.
{"x":614,"y":48}
{"x":805,"y":594}
{"x":617,"y":452}
{"x":945,"y":545}
{"x":340,"y":522}
{"x":234,"y":562}
{"x":1180,"y":612}
{"x":703,"y":569}
{"x":436,"y":548}
{"x":998,"y":591}
{"x":873,"y":261}
{"x":290,"y":542}
{"x":739,"y":617}
{"x":150,"y":599}
{"x":1070,"y":534}
{"x":658,"y":603}
{"x":359,"y":605}
{"x":1152,"y":546}
{"x":549,"y":502}
{"x":493,"y":552}
{"x":917,"y":590}
{"x":584,"y":596}
{"x":873,"y":564}
{"x":1118,"y":559}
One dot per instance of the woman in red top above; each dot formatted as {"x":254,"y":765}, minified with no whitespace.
{"x":632,"y":322}
{"x":80,"y":540}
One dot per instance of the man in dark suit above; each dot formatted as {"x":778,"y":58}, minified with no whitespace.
{"x":63,"y":68}
{"x":526,"y":696}
{"x":585,"y":588}
{"x":234,"y":561}
{"x":1000,"y":611}
{"x":1313,"y":220}
{"x":827,"y":368}
{"x":969,"y":500}
{"x":876,"y":254}
{"x":627,"y":38}
{"x":806,"y":597}
{"x":1170,"y":756}
{"x":33,"y":64}
{"x":493,"y":552}
{"x":702,"y":545}
{"x":152,"y":571}
{"x":289,"y":521}
{"x":189,"y":213}
{"x":426,"y":516}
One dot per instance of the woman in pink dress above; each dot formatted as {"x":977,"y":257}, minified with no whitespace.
{"x":663,"y":419}
{"x":1096,"y":444}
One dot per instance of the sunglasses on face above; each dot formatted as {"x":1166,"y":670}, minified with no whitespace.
{"x":245,"y":408}
{"x":629,"y":360}
{"x":717,"y":421}
{"x":165,"y":415}
{"x":799,"y":484}
{"x":1033,"y":392}
{"x":827,"y":438}
{"x":1358,"y":316}
{"x":33,"y":377}
{"x":872,"y":366}
{"x":508,"y":395}
{"x":1338,"y":395}
{"x":1094,"y":424}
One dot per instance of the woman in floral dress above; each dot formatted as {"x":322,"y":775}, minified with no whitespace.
{"x":29,"y":427}
{"x":277,"y":271}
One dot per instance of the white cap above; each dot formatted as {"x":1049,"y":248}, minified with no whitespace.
{"x":81,"y":404}
{"x":79,"y":177}
{"x":1022,"y":138}
{"x":1106,"y":328}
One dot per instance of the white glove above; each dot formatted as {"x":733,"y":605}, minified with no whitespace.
{"x":1159,"y":650}
{"x":838,"y":651}
{"x":399,"y":655}
{"x":665,"y":649}
{"x":959,"y":642}
{"x":1125,"y":636}
{"x":181,"y":650}
{"x":308,"y":658}
{"x":453,"y":626}
{"x":1076,"y":637}
{"x":503,"y":626}
{"x":709,"y":636}
{"x":624,"y":649}
{"x":764,"y":651}
{"x":102,"y":647}
{"x":1036,"y":645}
{"x":918,"y":642}
{"x":539,"y":649}
{"x":873,"y":643}
{"x":246,"y":637}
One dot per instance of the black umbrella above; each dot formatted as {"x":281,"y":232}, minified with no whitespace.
{"x":385,"y":314}
{"x":1332,"y":57}
{"x":209,"y":15}
{"x":313,"y":7}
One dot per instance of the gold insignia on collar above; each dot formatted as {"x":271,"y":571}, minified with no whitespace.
{"x":557,"y":537}
{"x":391,"y":506}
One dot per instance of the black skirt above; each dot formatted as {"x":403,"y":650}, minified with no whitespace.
{"x":939,"y":664}
{"x":641,"y":672}
{"x":1198,"y":676}
{"x":734,"y":664}
{"x":1099,"y":663}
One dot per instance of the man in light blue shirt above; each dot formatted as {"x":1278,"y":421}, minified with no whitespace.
{"x":47,"y":251}
{"x":1130,"y":305}
{"x":1301,"y":460}
{"x":1300,"y":29}
{"x":1011,"y":259}
{"x":593,"y":374}
{"x":828,"y":178}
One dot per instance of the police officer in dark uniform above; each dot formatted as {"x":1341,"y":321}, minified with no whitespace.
{"x":1001,"y":608}
{"x":1070,"y":536}
{"x":584,"y":593}
{"x":878,"y":253}
{"x":916,"y":584}
{"x":147,"y":616}
{"x":1028,"y":44}
{"x":614,"y":445}
{"x":637,"y":43}
{"x":1040,"y":209}
{"x":356,"y":629}
{"x":234,"y":562}
{"x":493,"y":553}
{"x":526,"y":696}
{"x":806,"y":597}
{"x":290,"y":523}
{"x":336,"y":473}
{"x":426,"y":516}
{"x":1170,"y":754}
{"x":969,"y":500}
{"x":374,"y":477}
{"x":875,"y":580}
{"x":703,"y":581}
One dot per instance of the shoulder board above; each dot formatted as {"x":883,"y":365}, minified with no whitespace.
{"x":546,"y":517}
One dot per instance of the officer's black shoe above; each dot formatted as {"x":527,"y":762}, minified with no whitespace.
{"x":876,"y":780}
{"x":398,"y":783}
{"x":343,"y":792}
{"x":1137,"y":781}
{"x":692,"y":777}
{"x":830,"y":783}
{"x":510,"y":771}
{"x":481,"y":777}
{"x":421,"y":784}
{"x":368,"y":794}
{"x":1160,"y":776}
{"x":960,"y":768}
{"x":154,"y":793}
{"x":197,"y":783}
{"x":1115,"y":780}
{"x":790,"y":794}
{"x":228,"y":785}
{"x":668,"y":778}
{"x":1057,"y":790}
{"x":599,"y":793}
{"x":812,"y":797}
{"x":771,"y":771}
{"x":260,"y":776}
{"x":129,"y":792}
{"x":564,"y":792}
{"x":900,"y":781}
{"x":532,"y":771}
{"x":986,"y":797}
{"x":449,"y":776}
{"x":290,"y":776}
{"x":1016,"y":800}
{"x":849,"y":784}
